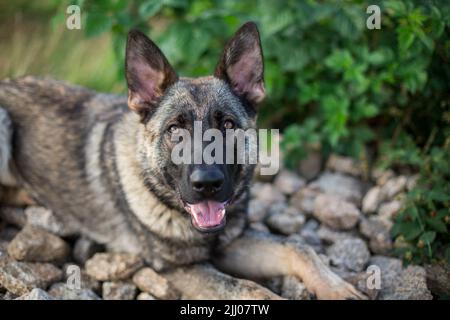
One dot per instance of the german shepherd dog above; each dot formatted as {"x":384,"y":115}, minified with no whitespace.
{"x":102,"y":164}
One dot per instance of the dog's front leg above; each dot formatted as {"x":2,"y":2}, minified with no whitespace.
{"x":257,"y":255}
{"x":203,"y":281}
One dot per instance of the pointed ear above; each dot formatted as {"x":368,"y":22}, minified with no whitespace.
{"x":242,"y":65}
{"x":148,"y":73}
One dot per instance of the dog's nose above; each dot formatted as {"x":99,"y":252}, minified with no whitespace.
{"x":207,"y":181}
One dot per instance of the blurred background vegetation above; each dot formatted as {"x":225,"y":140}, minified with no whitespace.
{"x":381,"y":96}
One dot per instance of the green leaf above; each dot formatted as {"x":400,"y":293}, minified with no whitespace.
{"x":436,"y":224}
{"x":97,"y":23}
{"x":149,"y":8}
{"x":428,"y":237}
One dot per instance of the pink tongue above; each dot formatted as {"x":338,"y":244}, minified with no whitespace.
{"x":208,"y":213}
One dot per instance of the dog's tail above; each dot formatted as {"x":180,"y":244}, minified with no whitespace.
{"x":6,"y":130}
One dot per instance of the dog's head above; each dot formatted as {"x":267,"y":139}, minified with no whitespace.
{"x":169,"y":105}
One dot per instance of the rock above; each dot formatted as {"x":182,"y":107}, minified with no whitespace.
{"x":411,"y":285}
{"x":309,"y":233}
{"x":438,"y":278}
{"x":257,"y":210}
{"x":310,"y":167}
{"x":337,"y":184}
{"x":287,"y":221}
{"x":411,"y":182}
{"x":293,"y":289}
{"x":372,"y":200}
{"x":390,"y":271}
{"x":145,"y":296}
{"x":9,"y":296}
{"x":259,"y":226}
{"x":36,"y":244}
{"x":85,"y":248}
{"x":267,"y":193}
{"x":112,"y":266}
{"x":393,"y":187}
{"x":331,"y":236}
{"x":149,"y":281}
{"x":382,"y":176}
{"x":389,"y":210}
{"x":118,"y":291}
{"x":378,"y":232}
{"x":63,"y":291}
{"x":13,"y":215}
{"x":20,"y":277}
{"x":288,"y":182}
{"x":350,"y":254}
{"x":36,"y":294}
{"x":8,"y":233}
{"x":345,"y":165}
{"x":45,"y":219}
{"x":335,"y":212}
{"x":304,"y":200}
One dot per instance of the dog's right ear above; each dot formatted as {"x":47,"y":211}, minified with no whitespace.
{"x":148,"y":73}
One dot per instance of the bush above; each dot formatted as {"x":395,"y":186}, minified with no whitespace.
{"x":330,"y":81}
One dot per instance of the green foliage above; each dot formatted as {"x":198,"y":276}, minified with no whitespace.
{"x":330,"y":81}
{"x":422,"y":227}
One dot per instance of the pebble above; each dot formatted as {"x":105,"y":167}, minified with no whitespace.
{"x":112,"y":266}
{"x":118,"y":291}
{"x":149,"y":281}
{"x":35,"y":244}
{"x":288,"y":182}
{"x":335,"y":212}
{"x":350,"y":254}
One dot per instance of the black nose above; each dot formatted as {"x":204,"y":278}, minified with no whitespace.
{"x":207,"y":181}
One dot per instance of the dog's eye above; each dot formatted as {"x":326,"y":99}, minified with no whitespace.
{"x":228,"y":124}
{"x":173,"y":129}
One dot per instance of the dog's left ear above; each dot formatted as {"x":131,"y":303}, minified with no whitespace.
{"x":148,"y":73}
{"x":242,"y":65}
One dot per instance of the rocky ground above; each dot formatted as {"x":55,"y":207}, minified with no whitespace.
{"x":343,"y":214}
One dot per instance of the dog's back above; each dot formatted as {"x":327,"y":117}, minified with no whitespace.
{"x":51,"y":127}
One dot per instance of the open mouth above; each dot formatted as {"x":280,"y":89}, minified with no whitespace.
{"x":207,"y":215}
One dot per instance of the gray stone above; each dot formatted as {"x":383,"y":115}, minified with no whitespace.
{"x":411,"y":182}
{"x":331,"y":236}
{"x":149,"y":281}
{"x":287,"y":221}
{"x":13,"y":215}
{"x":259,"y":226}
{"x":267,"y":193}
{"x":344,"y":165}
{"x":350,"y":254}
{"x":145,"y":296}
{"x":293,"y":289}
{"x":304,"y":200}
{"x":372,"y":200}
{"x":257,"y":210}
{"x":337,"y":184}
{"x":411,"y":285}
{"x":438,"y":278}
{"x":288,"y":182}
{"x":381,"y":176}
{"x":86,"y":281}
{"x":393,"y":187}
{"x":360,"y":281}
{"x":45,"y":219}
{"x":390,"y":271}
{"x":119,"y":291}
{"x":378,"y":232}
{"x":389,"y":210}
{"x":63,"y":291}
{"x":36,"y":244}
{"x":36,"y":294}
{"x":21,"y":277}
{"x":84,"y":249}
{"x":113,"y":266}
{"x":335,"y":212}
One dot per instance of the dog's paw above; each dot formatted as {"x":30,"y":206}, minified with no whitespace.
{"x":331,"y":287}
